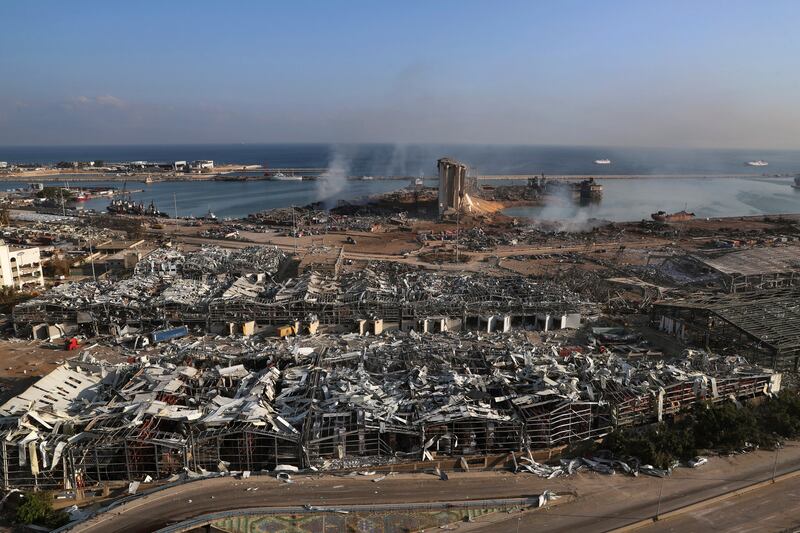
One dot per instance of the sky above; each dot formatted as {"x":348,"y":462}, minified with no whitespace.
{"x":716,"y":73}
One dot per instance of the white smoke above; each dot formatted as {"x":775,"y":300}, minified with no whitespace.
{"x":562,"y":212}
{"x":334,"y":179}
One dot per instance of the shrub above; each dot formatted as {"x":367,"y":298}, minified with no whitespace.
{"x":728,"y":427}
{"x":723,"y":428}
{"x":37,"y":508}
{"x":781,"y":415}
{"x":659,"y":445}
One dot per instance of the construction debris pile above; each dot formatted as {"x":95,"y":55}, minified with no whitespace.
{"x":42,"y":234}
{"x":313,"y":221}
{"x":222,"y":291}
{"x":335,"y":401}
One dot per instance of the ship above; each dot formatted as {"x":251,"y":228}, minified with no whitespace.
{"x":680,"y":216}
{"x":280,"y":176}
{"x":604,"y":161}
{"x":588,"y":188}
{"x":796,"y":182}
{"x":128,"y":207}
{"x":757,"y":163}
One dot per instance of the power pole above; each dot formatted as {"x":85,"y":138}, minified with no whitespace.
{"x":458,"y":222}
{"x":175,"y":206}
{"x":294,"y":231}
{"x":91,"y":256}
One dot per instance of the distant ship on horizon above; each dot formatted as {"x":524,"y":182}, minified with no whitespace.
{"x":757,"y":163}
{"x":604,"y":161}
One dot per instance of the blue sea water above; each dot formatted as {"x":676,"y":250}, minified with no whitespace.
{"x":414,"y":159}
{"x":626,"y":199}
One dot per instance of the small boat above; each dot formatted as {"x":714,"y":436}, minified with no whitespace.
{"x":604,"y":161}
{"x":148,"y":179}
{"x":680,"y":216}
{"x":367,"y":178}
{"x":757,"y":163}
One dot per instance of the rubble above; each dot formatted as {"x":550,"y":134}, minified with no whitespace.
{"x":231,"y":404}
{"x":216,"y":290}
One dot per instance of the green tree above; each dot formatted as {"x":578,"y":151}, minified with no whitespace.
{"x":37,"y":508}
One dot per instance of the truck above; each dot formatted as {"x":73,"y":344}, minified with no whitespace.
{"x":161,"y":335}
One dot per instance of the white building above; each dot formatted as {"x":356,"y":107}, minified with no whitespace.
{"x":3,"y":164}
{"x":202,"y":164}
{"x":21,"y":267}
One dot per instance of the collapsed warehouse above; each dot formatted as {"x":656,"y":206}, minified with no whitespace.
{"x":738,"y":270}
{"x":763,"y":324}
{"x":200,"y":405}
{"x":243,"y":291}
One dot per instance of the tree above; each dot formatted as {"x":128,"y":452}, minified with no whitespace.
{"x":37,"y":508}
{"x":99,"y":163}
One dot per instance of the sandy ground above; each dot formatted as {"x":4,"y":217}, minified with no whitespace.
{"x":23,"y":362}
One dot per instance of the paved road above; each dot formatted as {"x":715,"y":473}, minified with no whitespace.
{"x":604,"y":502}
{"x":620,"y":504}
{"x":771,"y":509}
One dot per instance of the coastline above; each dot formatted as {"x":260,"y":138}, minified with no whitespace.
{"x":78,"y":176}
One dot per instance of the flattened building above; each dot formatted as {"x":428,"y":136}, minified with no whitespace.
{"x":763,"y":325}
{"x":755,"y":268}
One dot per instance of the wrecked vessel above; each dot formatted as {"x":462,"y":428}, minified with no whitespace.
{"x":680,"y":216}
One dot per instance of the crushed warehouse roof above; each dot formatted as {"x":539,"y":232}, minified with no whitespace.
{"x":770,"y":319}
{"x":331,"y":401}
{"x":211,"y":287}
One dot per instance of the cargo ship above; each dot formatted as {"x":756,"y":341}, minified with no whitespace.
{"x":588,"y":189}
{"x":680,"y":216}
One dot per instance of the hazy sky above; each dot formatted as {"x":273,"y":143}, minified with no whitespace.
{"x":653,"y":73}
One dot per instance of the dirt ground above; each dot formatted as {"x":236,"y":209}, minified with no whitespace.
{"x":23,"y":362}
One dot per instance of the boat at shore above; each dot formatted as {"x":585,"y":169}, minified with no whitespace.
{"x":680,"y":216}
{"x":128,"y":207}
{"x":757,"y":163}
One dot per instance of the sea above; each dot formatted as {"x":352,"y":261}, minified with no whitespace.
{"x":721,"y":183}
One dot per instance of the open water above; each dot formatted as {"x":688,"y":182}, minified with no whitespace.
{"x":628,"y":199}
